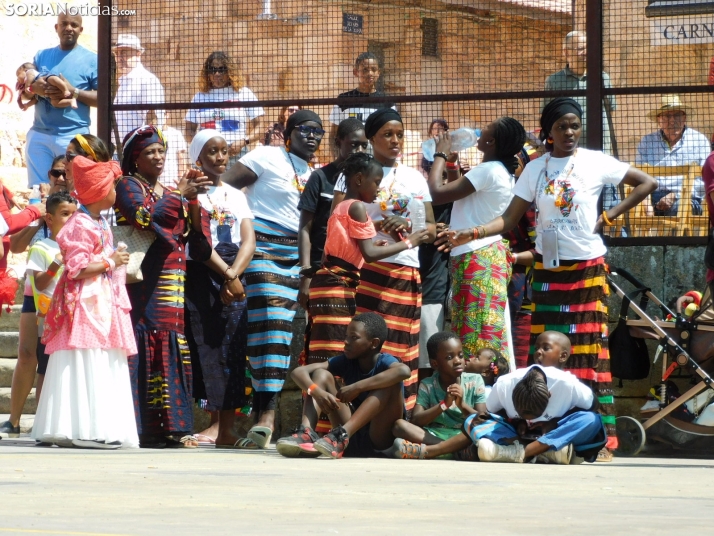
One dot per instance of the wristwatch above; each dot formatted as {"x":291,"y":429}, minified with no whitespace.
{"x":75,"y":93}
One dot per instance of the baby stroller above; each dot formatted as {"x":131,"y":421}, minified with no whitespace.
{"x":686,"y":343}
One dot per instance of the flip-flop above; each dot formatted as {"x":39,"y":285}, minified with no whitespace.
{"x":204,"y":440}
{"x":260,"y":435}
{"x":242,"y":444}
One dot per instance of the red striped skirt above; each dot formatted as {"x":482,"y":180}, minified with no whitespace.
{"x":332,"y":306}
{"x":571,"y":299}
{"x":394,"y":291}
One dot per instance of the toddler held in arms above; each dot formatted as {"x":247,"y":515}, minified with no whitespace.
{"x":27,"y":74}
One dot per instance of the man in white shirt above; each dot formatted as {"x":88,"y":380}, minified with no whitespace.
{"x":546,"y":406}
{"x":136,"y":86}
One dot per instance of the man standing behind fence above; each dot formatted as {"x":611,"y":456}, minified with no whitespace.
{"x":53,"y":128}
{"x":136,"y":86}
{"x":573,"y":77}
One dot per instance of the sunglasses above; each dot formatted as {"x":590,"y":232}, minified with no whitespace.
{"x":217,"y":70}
{"x":70,"y":156}
{"x":57,"y":173}
{"x":293,"y":110}
{"x":305,"y":131}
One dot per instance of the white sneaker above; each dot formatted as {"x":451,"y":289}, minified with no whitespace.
{"x":560,"y":457}
{"x":488,"y":451}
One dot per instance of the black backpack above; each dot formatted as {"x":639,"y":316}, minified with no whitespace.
{"x":629,"y":356}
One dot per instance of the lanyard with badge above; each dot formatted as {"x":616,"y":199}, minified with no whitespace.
{"x":549,"y":235}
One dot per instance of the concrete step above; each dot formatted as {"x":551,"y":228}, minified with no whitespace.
{"x":7,"y":368}
{"x":11,"y":321}
{"x":26,"y":423}
{"x":30,"y":403}
{"x":8,"y":343}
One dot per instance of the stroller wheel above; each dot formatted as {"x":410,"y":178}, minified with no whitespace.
{"x":630,"y":436}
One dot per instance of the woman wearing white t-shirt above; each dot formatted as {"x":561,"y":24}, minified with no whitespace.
{"x":569,"y":276}
{"x":274,"y":177}
{"x":221,"y":80}
{"x":216,"y":312}
{"x":480,"y":268}
{"x":392,"y":287}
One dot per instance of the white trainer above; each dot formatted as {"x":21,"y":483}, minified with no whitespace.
{"x":563,"y":456}
{"x":488,"y":451}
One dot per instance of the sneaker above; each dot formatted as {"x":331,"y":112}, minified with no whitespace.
{"x":8,"y":429}
{"x":334,"y":443}
{"x":406,"y":450}
{"x":299,"y":444}
{"x":488,"y":451}
{"x":560,"y":457}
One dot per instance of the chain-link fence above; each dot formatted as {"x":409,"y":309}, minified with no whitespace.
{"x":243,"y":66}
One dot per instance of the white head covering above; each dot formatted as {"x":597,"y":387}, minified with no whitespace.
{"x":199,"y":140}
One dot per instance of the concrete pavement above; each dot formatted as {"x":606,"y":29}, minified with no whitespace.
{"x":208,"y":491}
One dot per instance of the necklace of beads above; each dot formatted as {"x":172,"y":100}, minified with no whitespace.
{"x":298,"y":183}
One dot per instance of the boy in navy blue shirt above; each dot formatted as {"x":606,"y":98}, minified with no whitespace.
{"x":371,"y":394}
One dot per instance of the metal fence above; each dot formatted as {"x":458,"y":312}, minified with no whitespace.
{"x":643,"y":66}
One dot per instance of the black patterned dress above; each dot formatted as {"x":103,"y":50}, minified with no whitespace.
{"x":161,"y":371}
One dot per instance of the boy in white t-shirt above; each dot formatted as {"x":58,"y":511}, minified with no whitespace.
{"x":549,"y":419}
{"x":44,"y":267}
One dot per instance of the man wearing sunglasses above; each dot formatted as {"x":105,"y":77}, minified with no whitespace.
{"x":136,"y":86}
{"x":53,"y":128}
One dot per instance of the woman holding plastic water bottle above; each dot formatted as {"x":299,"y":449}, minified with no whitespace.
{"x":392,"y":286}
{"x":480,"y":269}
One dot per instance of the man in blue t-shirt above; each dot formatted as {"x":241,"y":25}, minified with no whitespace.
{"x":54,"y":128}
{"x":364,"y":405}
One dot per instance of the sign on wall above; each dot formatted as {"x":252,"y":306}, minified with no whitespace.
{"x":352,"y":23}
{"x":681,"y":22}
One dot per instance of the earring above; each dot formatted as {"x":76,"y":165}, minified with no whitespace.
{"x":550,"y":140}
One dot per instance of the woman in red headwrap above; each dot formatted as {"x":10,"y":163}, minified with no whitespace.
{"x":161,"y":375}
{"x":88,"y":332}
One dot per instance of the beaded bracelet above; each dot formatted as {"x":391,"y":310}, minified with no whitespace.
{"x":442,"y":155}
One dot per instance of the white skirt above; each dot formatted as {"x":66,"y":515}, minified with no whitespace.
{"x":87,"y":395}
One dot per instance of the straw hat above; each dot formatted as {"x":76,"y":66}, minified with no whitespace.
{"x":670,"y":103}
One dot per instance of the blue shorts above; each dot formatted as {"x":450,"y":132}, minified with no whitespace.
{"x":28,"y":304}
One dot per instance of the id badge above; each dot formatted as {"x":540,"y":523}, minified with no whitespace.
{"x":550,"y":249}
{"x":223,"y":233}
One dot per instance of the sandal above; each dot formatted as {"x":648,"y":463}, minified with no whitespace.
{"x":242,"y":444}
{"x":604,"y":456}
{"x":186,"y":442}
{"x":204,"y":440}
{"x":260,"y":435}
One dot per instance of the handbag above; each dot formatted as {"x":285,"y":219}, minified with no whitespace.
{"x":138,"y":243}
{"x":629,"y":356}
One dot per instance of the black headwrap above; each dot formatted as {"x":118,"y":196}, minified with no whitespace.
{"x":378,"y":119}
{"x":136,"y":141}
{"x":298,"y":117}
{"x":556,"y":109}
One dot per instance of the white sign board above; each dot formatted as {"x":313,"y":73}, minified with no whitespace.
{"x":682,"y":30}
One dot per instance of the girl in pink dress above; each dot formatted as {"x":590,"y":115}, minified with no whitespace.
{"x":86,"y":399}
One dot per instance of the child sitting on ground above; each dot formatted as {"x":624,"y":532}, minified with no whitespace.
{"x":552,"y":349}
{"x":27,"y":74}
{"x":555,"y":408}
{"x":364,"y":409}
{"x":44,"y":267}
{"x":444,"y":400}
{"x":490,"y":364}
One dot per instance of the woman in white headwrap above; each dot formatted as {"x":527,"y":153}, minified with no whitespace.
{"x":216,"y":313}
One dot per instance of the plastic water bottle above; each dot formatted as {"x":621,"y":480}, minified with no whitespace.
{"x":35,"y":196}
{"x":417,"y":213}
{"x":461,"y":139}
